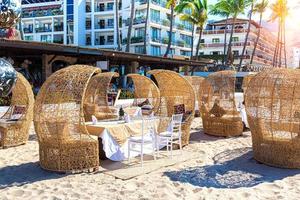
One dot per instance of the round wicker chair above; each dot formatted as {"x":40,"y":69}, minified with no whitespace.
{"x":218,"y":109}
{"x":176,"y":91}
{"x":96,"y":99}
{"x":22,"y":102}
{"x":64,"y":142}
{"x":246,"y":82}
{"x":145,"y":90}
{"x":273,"y":110}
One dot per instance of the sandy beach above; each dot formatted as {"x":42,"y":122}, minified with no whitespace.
{"x":226,"y":171}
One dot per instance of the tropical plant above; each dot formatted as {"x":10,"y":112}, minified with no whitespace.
{"x":247,"y":34}
{"x":146,"y":26}
{"x":170,"y":5}
{"x":279,"y":13}
{"x":223,"y":11}
{"x":259,"y":8}
{"x":119,"y":47}
{"x":130,"y":26}
{"x":198,"y":16}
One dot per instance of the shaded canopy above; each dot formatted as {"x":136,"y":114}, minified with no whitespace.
{"x":273,"y":109}
{"x":145,"y":88}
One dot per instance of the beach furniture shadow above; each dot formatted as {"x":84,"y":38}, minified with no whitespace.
{"x":231,"y":169}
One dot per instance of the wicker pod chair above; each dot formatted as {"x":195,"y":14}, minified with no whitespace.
{"x":64,"y":142}
{"x":96,"y":99}
{"x":273,"y":111}
{"x":218,"y":109}
{"x":176,"y":96}
{"x":145,"y":92}
{"x":21,"y":111}
{"x":246,"y":82}
{"x":196,"y":82}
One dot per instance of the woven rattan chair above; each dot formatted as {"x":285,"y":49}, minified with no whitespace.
{"x":196,"y":82}
{"x":145,"y":90}
{"x":64,"y":142}
{"x":218,"y":109}
{"x":176,"y":92}
{"x":16,"y":132}
{"x":273,"y":110}
{"x":96,"y":99}
{"x":246,"y":81}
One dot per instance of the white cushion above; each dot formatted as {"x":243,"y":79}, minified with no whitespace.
{"x":168,"y":134}
{"x":147,"y":139}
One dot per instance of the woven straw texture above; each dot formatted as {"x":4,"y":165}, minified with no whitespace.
{"x":218,"y":109}
{"x":145,"y":88}
{"x":175,"y":90}
{"x":64,"y":142}
{"x":196,"y":82}
{"x":273,"y":110}
{"x":246,"y":81}
{"x":96,"y":98}
{"x":17,"y":133}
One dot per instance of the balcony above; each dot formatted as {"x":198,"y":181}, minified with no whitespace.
{"x":139,"y":20}
{"x":42,"y":13}
{"x":59,"y":27}
{"x":212,"y":45}
{"x":103,"y":8}
{"x":211,"y":32}
{"x":104,"y":26}
{"x":134,"y":40}
{"x":42,"y":30}
{"x":159,"y":3}
{"x":28,"y":30}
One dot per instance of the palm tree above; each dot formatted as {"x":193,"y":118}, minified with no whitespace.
{"x":146,"y":25}
{"x":170,"y":5}
{"x":130,"y":26}
{"x":236,"y":7}
{"x":247,"y":34}
{"x":220,"y":10}
{"x":279,"y":13}
{"x":119,"y":48}
{"x":259,"y":8}
{"x":198,"y":16}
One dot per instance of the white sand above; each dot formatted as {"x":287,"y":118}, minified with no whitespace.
{"x":227,"y":171}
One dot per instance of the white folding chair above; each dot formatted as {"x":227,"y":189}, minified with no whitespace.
{"x":172,"y":136}
{"x":148,"y":137}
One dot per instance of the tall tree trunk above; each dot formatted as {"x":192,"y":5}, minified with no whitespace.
{"x":284,"y":43}
{"x":280,"y":47}
{"x":21,"y":29}
{"x":192,"y":45}
{"x":170,"y":31}
{"x":257,"y":38}
{"x":276,"y":47}
{"x":247,"y":36}
{"x":130,"y":26}
{"x":146,"y":24}
{"x":118,"y":25}
{"x":199,"y":42}
{"x":230,"y":40}
{"x":225,"y":40}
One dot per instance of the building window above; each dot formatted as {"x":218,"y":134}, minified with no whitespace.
{"x":155,"y":34}
{"x":110,"y":39}
{"x":88,"y":40}
{"x":110,"y":23}
{"x":235,"y":39}
{"x":29,"y":38}
{"x":155,"y":15}
{"x":155,"y":50}
{"x":110,"y":6}
{"x":46,"y":38}
{"x":214,"y":53}
{"x":235,"y":53}
{"x":187,"y":39}
{"x":216,"y":40}
{"x":139,"y":32}
{"x":202,"y":41}
{"x":173,"y":36}
{"x":185,"y":53}
{"x":139,"y":49}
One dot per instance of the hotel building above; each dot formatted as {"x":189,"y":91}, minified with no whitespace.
{"x":213,"y":41}
{"x":91,"y":23}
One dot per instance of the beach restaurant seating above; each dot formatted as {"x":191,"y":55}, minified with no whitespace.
{"x":64,"y":142}
{"x":176,"y":97}
{"x":218,"y":109}
{"x":196,"y":82}
{"x":273,"y":110}
{"x":15,"y":123}
{"x":98,"y":101}
{"x":146,"y":94}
